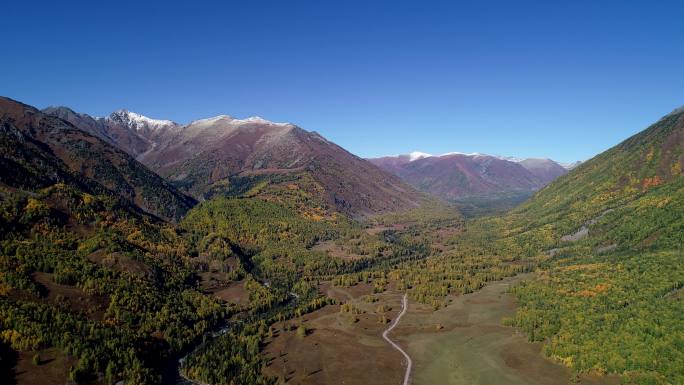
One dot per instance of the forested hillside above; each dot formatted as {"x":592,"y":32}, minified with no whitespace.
{"x":108,"y":287}
{"x":609,"y":299}
{"x":275,"y":256}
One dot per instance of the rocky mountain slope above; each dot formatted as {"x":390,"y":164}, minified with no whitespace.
{"x":223,"y":153}
{"x":39,"y":150}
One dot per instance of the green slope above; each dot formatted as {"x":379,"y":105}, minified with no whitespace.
{"x":609,"y":295}
{"x":635,"y":169}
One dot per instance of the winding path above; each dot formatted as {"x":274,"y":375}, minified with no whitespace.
{"x":409,"y":362}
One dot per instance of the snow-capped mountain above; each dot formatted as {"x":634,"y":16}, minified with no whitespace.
{"x":137,"y":122}
{"x":571,"y":165}
{"x":415,"y":155}
{"x":209,"y":154}
{"x":457,"y":175}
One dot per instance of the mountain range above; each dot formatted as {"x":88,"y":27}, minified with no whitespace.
{"x":221,"y":154}
{"x":39,"y":150}
{"x":95,"y":271}
{"x":475,"y":179}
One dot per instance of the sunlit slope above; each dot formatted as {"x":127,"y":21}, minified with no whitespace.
{"x":609,"y":297}
{"x":637,"y":183}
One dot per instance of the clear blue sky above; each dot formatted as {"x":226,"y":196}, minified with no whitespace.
{"x":561,"y":79}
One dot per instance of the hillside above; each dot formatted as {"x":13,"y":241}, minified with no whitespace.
{"x":224,"y":154}
{"x":631,"y":171}
{"x":92,"y":288}
{"x":40,"y":150}
{"x":609,"y":296}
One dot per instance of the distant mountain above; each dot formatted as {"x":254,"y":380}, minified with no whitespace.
{"x":458,"y":176}
{"x":39,"y":150}
{"x":571,"y":165}
{"x":546,"y":170}
{"x":224,"y":153}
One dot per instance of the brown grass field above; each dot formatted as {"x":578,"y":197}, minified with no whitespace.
{"x":53,"y":368}
{"x":473,"y":347}
{"x":338,"y":349}
{"x":464,"y":343}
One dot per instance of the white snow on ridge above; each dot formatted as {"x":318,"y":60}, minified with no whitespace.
{"x":570,"y":166}
{"x":462,"y":153}
{"x":415,"y":155}
{"x":258,"y":119}
{"x":138,"y":121}
{"x":237,"y":122}
{"x":513,"y":159}
{"x":211,"y":120}
{"x":141,"y":122}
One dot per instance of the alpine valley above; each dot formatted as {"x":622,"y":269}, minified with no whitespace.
{"x":243,"y":251}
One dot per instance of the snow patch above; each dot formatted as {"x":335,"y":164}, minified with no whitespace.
{"x":237,"y":122}
{"x":463,"y":153}
{"x":570,"y":166}
{"x":415,"y":155}
{"x":259,"y":120}
{"x":211,"y":120}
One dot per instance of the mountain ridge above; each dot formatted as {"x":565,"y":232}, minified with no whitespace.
{"x":49,"y":150}
{"x":455,"y":176}
{"x":219,"y":153}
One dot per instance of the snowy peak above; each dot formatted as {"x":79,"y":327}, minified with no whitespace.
{"x":237,"y":122}
{"x":570,"y":166}
{"x":457,"y":175}
{"x":212,"y":120}
{"x":514,"y":159}
{"x":259,"y":120}
{"x":138,"y":122}
{"x":461,"y":153}
{"x":415,"y":155}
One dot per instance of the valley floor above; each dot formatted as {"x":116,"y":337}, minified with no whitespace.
{"x":338,"y":350}
{"x":463,"y":343}
{"x":471,"y":345}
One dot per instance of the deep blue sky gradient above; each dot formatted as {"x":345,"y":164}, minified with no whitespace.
{"x":559,"y":79}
